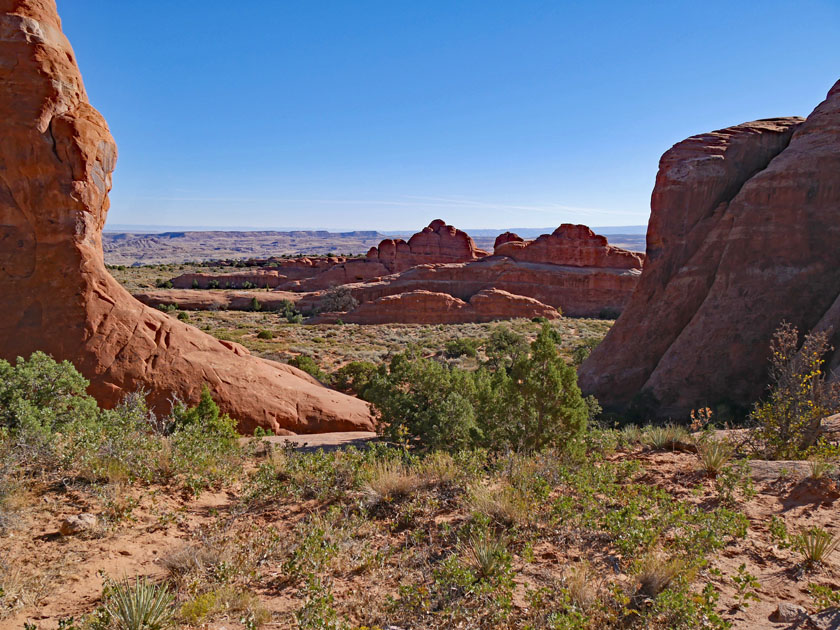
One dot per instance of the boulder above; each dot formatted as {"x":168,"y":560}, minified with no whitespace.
{"x":78,"y":524}
{"x":742,"y":236}
{"x":56,"y":161}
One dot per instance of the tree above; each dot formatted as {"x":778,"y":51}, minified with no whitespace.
{"x":545,"y":404}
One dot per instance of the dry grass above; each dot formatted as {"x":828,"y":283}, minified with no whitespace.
{"x":390,"y":481}
{"x":656,"y":574}
{"x":503,"y":505}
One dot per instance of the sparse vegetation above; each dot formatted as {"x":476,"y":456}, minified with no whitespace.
{"x":789,"y":422}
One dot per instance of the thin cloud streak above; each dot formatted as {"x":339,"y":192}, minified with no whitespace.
{"x":418,"y":202}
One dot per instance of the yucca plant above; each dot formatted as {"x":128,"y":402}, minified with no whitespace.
{"x":714,"y":455}
{"x":819,"y":468}
{"x":486,"y":554}
{"x":815,"y":544}
{"x":142,"y":605}
{"x":631,"y":434}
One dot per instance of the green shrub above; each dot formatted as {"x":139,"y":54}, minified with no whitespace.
{"x":308,"y":365}
{"x":39,"y":395}
{"x":536,"y":404}
{"x":461,"y":347}
{"x":354,"y":378}
{"x":504,"y":347}
{"x":265,"y":334}
{"x":789,"y":422}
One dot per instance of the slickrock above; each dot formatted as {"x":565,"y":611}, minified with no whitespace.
{"x":56,"y":161}
{"x":742,"y":236}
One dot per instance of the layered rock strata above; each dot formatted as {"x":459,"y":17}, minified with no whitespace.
{"x":742,"y":236}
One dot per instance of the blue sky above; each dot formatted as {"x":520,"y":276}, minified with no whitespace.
{"x":362,"y":114}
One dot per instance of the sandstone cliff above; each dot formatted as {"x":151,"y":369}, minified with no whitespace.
{"x":742,"y":235}
{"x":56,"y":161}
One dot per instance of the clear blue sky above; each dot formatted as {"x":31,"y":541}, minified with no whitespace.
{"x":361,"y":114}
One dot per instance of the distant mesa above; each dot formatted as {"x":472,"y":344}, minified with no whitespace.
{"x":743,"y":235}
{"x":56,"y":161}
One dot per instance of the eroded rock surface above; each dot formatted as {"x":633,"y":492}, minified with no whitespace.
{"x":56,"y":160}
{"x":428,"y":307}
{"x":742,"y":236}
{"x":569,"y":245}
{"x":437,"y":243}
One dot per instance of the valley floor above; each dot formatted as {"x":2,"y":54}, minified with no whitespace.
{"x":305,"y":538}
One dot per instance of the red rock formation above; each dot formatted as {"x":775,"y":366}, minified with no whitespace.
{"x":576,"y":291}
{"x":357,"y":270}
{"x":572,"y":245}
{"x":437,"y":243}
{"x":427,"y":307}
{"x":743,"y":234}
{"x":507,"y":237}
{"x":56,"y":161}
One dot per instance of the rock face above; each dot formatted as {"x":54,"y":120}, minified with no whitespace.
{"x":56,"y":161}
{"x":743,"y":235}
{"x":437,"y":243}
{"x":576,"y":291}
{"x":427,"y":307}
{"x":570,"y":245}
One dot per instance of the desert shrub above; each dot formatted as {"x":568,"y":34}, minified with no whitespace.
{"x":583,"y":350}
{"x":354,"y":377}
{"x":426,"y":400}
{"x":289,"y":311}
{"x":461,"y":347}
{"x":163,"y":284}
{"x":184,"y":316}
{"x":39,"y":395}
{"x":789,"y":422}
{"x":256,"y":306}
{"x":213,"y":284}
{"x":504,"y":347}
{"x":308,"y":365}
{"x":337,"y":299}
{"x":533,"y":404}
{"x":265,"y":334}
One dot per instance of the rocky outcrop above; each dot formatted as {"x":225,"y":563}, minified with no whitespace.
{"x":437,"y":243}
{"x":358,"y":270}
{"x":576,"y":291}
{"x":570,"y":245}
{"x":56,"y":161}
{"x":428,"y":307}
{"x":742,"y":235}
